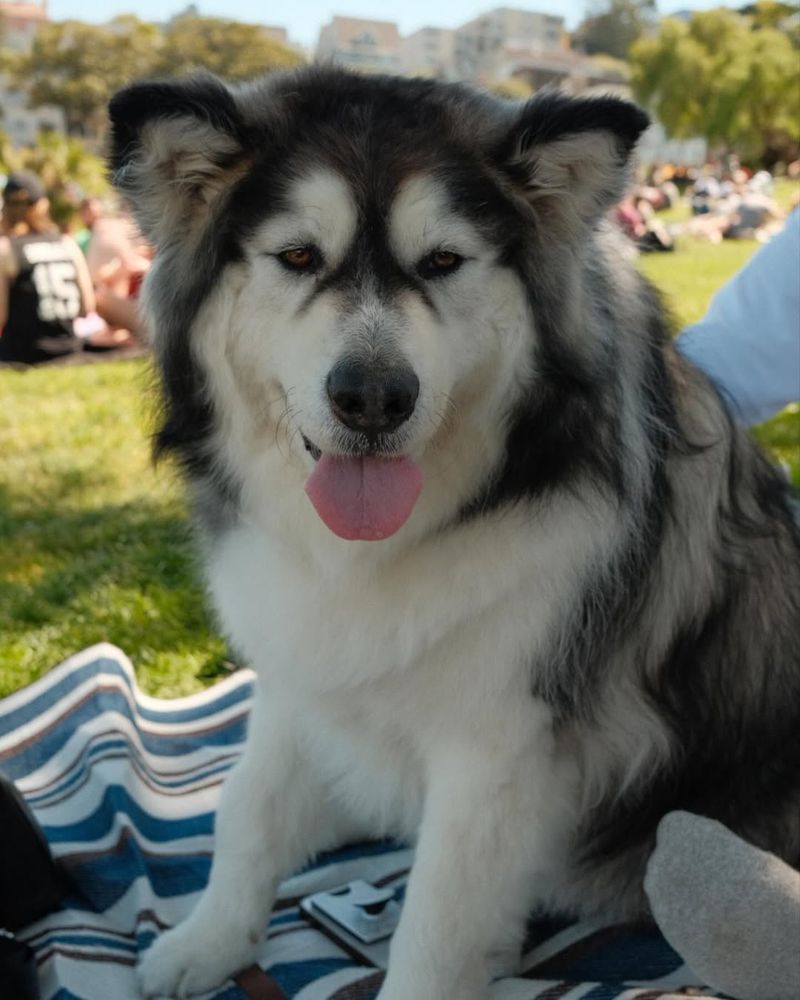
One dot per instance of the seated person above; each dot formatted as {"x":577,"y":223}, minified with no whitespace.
{"x":636,"y":219}
{"x":117,"y":259}
{"x":44,"y":281}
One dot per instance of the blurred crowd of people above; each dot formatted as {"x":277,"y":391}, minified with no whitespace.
{"x":66,"y":293}
{"x":725,"y":201}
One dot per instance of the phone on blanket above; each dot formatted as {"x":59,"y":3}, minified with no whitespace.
{"x":359,"y":917}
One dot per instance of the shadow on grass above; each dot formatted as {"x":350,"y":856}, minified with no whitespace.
{"x":74,"y":575}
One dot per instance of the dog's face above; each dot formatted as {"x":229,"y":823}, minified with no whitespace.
{"x":358,"y":259}
{"x":379,"y":333}
{"x":374,"y":328}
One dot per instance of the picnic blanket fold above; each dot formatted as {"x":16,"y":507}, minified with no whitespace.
{"x":125,"y":788}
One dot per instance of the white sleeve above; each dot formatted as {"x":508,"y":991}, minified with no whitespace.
{"x":748,"y":342}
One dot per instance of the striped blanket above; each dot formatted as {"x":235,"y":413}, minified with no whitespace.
{"x":125,"y":788}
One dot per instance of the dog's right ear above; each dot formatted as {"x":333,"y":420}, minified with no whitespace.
{"x":569,"y":157}
{"x":175,"y":147}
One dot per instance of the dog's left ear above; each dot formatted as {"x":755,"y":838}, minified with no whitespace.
{"x":175,"y":147}
{"x":569,"y":156}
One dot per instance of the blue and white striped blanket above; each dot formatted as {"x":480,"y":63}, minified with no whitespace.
{"x":125,"y":788}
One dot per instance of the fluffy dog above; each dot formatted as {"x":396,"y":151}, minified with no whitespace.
{"x":513,"y":582}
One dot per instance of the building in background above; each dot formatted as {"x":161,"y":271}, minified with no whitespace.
{"x":277,"y":34}
{"x":570,"y":71}
{"x":21,"y":21}
{"x":429,"y":52}
{"x":503,"y":44}
{"x":486,"y":46}
{"x":281,"y":35}
{"x":22,"y":124}
{"x":370,"y":46}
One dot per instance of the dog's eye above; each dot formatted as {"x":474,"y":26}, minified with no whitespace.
{"x":300,"y":259}
{"x":439,"y":263}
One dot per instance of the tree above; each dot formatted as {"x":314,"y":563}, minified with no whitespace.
{"x":774,"y":14}
{"x":5,"y":53}
{"x":67,"y":169}
{"x":612,"y":26}
{"x":512,"y":89}
{"x":8,"y":155}
{"x":232,"y":50}
{"x":78,"y":66}
{"x":724,"y":77}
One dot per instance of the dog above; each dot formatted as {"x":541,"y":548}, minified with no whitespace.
{"x":514,"y":583}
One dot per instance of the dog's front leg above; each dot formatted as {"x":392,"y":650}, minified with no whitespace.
{"x":272,"y":816}
{"x":489,"y":824}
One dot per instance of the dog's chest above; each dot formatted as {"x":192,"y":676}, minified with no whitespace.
{"x":367,"y":761}
{"x":328,"y":631}
{"x":383,"y":671}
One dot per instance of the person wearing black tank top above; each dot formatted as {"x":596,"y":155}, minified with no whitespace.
{"x":44,"y":280}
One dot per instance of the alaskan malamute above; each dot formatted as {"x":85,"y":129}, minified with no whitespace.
{"x":513,"y":582}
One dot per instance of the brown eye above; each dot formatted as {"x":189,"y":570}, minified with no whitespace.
{"x":439,"y":263}
{"x":444,"y":261}
{"x":299,"y":258}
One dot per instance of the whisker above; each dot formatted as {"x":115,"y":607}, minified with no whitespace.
{"x":286,"y":415}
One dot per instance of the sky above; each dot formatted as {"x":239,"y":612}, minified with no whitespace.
{"x":304,"y":18}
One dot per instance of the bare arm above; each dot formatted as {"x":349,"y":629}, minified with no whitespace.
{"x":4,"y":282}
{"x":8,"y":271}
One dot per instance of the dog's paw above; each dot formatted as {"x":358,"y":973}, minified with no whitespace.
{"x":189,"y":959}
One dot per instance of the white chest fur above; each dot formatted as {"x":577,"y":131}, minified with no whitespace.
{"x":384,"y":662}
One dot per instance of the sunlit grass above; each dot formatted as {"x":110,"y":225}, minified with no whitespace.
{"x":94,"y":543}
{"x":690,"y":276}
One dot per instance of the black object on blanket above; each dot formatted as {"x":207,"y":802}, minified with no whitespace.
{"x":18,"y":977}
{"x":30,"y":883}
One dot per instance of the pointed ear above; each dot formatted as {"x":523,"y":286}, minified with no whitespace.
{"x":175,"y":146}
{"x":569,"y":156}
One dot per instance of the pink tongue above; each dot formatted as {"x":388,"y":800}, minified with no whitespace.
{"x":364,"y":498}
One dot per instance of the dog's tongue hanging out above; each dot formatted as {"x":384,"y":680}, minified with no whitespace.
{"x":364,"y":498}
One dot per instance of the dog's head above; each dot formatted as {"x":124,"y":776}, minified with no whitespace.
{"x":356,"y":277}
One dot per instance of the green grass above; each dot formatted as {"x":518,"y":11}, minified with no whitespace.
{"x":690,"y":276}
{"x":94,"y":542}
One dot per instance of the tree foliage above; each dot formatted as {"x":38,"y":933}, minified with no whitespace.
{"x":67,"y":169}
{"x":232,"y":50}
{"x":774,"y":14}
{"x":612,"y":26}
{"x":512,"y":89}
{"x":78,"y":66}
{"x":5,"y":52}
{"x":724,"y":76}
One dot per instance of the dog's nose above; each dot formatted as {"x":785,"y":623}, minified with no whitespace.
{"x":369,"y":401}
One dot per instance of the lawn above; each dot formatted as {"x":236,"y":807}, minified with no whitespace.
{"x":94,"y":542}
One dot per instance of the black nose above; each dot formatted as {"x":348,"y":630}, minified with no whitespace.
{"x":372,"y":401}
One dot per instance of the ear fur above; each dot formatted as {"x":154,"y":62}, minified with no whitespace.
{"x":174,"y":148}
{"x":569,"y":156}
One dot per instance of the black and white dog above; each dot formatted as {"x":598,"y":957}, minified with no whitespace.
{"x":514,"y":584}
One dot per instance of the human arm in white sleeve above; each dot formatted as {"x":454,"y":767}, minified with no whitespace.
{"x":748,"y":342}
